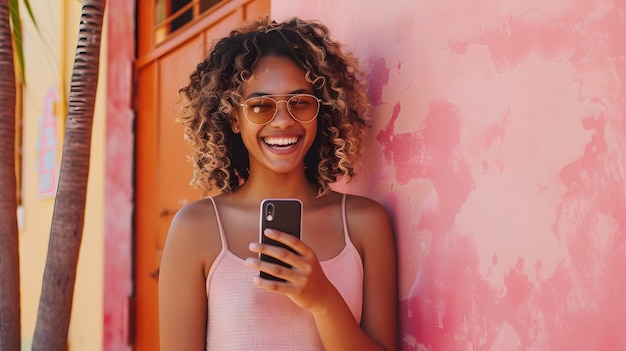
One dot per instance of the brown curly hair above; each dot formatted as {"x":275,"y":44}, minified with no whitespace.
{"x":220,"y":160}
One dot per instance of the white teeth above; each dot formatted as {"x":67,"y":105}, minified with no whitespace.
{"x":280,"y":141}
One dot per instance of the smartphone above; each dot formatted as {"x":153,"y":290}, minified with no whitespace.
{"x":284,"y":215}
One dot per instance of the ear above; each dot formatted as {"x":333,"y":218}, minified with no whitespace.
{"x":234,"y":124}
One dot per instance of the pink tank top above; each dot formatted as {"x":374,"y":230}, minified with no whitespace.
{"x":242,"y":316}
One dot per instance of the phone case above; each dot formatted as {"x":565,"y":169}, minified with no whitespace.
{"x":284,"y":215}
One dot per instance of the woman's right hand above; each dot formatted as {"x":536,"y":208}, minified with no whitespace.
{"x":305,"y":282}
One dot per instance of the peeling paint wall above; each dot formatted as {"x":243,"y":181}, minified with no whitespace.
{"x":498,"y":145}
{"x":117,"y":332}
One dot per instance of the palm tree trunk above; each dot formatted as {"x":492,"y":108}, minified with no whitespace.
{"x":57,"y":291}
{"x":9,"y":255}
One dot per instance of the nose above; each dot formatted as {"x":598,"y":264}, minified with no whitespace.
{"x":283,"y":118}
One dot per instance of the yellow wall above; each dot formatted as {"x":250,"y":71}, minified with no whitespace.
{"x":49,"y":56}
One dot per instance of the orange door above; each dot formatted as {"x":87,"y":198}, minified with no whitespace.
{"x":162,"y":171}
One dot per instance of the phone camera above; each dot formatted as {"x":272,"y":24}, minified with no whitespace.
{"x":269,"y":212}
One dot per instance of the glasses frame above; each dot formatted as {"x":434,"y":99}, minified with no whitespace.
{"x":288,"y":98}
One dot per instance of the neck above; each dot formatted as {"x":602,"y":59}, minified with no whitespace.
{"x":278,"y":186}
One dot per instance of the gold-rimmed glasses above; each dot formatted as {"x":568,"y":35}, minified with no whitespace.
{"x":262,"y":109}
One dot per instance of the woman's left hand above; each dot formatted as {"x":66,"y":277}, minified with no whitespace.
{"x":305,"y":282}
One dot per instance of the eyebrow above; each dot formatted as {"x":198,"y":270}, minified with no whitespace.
{"x":297,"y":91}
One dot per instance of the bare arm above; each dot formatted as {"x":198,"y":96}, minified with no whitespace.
{"x":370,"y":229}
{"x":373,"y":232}
{"x":308,"y":287}
{"x":182,"y":292}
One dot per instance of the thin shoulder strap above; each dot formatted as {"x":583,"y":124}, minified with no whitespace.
{"x":219,"y":225}
{"x":343,"y":218}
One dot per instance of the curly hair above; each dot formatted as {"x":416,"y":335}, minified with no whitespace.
{"x":220,"y":160}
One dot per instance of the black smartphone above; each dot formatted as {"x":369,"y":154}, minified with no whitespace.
{"x":284,"y":215}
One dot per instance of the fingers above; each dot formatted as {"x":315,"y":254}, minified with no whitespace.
{"x":301,"y":262}
{"x":293,"y":278}
{"x":305,"y":282}
{"x":274,"y":269}
{"x":297,"y":262}
{"x":293,"y":242}
{"x":274,"y":285}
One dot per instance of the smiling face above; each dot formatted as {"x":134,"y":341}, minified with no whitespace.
{"x":280,"y":145}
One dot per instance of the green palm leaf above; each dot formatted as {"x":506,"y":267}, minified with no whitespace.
{"x":16,"y":28}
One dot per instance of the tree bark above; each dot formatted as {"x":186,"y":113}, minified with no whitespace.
{"x":9,"y":249}
{"x":55,"y":303}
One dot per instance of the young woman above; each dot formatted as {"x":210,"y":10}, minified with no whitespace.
{"x":276,"y":110}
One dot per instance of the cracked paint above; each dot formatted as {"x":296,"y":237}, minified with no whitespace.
{"x":498,"y":145}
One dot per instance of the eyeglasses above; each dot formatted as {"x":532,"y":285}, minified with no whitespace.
{"x":262,"y":109}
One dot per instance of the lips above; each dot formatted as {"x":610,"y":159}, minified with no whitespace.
{"x":280,"y":143}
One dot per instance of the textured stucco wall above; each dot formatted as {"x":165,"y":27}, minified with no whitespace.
{"x":498,"y":144}
{"x":118,"y":173}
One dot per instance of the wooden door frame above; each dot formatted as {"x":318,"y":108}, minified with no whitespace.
{"x":146,"y":216}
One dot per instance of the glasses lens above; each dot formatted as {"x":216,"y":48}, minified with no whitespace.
{"x":261,"y":110}
{"x":304,"y":108}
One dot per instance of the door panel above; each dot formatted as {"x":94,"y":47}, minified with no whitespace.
{"x":222,"y":27}
{"x":162,"y":170}
{"x":174,"y":171}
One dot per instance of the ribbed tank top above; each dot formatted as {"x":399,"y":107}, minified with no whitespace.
{"x":242,"y":316}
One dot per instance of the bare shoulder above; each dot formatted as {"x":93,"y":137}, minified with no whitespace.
{"x":187,"y":255}
{"x":363,"y":212}
{"x":193,"y":215}
{"x":370,"y":229}
{"x":369,"y":223}
{"x":193,"y":220}
{"x":194,"y":232}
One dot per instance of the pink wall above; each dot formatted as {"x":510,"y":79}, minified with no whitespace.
{"x":499,"y":147}
{"x":118,"y":202}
